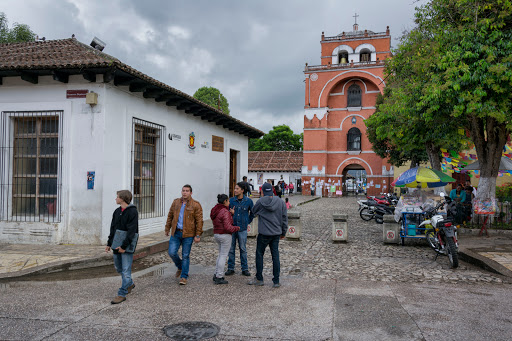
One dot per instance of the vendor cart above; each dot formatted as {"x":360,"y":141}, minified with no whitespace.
{"x":412,"y":216}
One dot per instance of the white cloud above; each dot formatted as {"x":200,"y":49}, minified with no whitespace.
{"x":196,"y":65}
{"x":178,"y":32}
{"x":159,"y":60}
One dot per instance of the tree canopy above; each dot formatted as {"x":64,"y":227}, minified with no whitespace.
{"x":211,"y":96}
{"x":280,"y":138}
{"x":452,"y":72}
{"x":400,"y":129}
{"x":18,"y":32}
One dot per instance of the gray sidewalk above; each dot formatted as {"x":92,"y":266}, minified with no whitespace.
{"x":18,"y":260}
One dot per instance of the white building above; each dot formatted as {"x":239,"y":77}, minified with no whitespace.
{"x":275,"y":166}
{"x":77,"y":125}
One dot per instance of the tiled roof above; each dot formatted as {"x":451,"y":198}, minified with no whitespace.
{"x":275,"y":161}
{"x":69,"y":56}
{"x":65,"y":53}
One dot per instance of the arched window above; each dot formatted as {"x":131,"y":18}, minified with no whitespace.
{"x":354,"y":96}
{"x":365,"y":55}
{"x":343,"y":57}
{"x":354,"y":139}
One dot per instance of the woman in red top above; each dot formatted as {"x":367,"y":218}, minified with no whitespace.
{"x":222,"y":229}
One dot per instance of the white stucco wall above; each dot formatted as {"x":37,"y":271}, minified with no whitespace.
{"x":100,"y":139}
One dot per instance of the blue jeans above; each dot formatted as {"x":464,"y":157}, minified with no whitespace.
{"x":186,"y":244}
{"x":261,"y":245}
{"x":123,"y":264}
{"x":241,"y":236}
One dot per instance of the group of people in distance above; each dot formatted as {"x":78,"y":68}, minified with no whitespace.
{"x":230,"y":217}
{"x":463,"y":196}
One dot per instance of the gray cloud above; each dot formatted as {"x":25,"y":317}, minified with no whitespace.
{"x":254,"y":52}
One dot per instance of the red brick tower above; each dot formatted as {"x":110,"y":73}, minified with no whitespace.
{"x":340,"y":95}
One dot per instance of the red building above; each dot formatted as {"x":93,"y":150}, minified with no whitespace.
{"x":340,"y":94}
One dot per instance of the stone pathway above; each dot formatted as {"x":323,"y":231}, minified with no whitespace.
{"x":364,"y":257}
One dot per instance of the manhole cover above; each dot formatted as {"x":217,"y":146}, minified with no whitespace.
{"x":191,"y":330}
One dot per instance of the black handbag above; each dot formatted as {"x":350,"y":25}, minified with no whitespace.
{"x":119,"y":238}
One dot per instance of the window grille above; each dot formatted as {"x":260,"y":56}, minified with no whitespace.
{"x":31,"y":166}
{"x":148,"y":168}
{"x":354,"y":96}
{"x":354,"y":139}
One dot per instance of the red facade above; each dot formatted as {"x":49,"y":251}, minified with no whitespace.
{"x":340,"y":94}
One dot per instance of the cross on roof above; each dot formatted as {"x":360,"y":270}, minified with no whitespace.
{"x":355,"y":16}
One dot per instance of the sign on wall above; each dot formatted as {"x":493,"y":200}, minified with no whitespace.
{"x":217,"y":144}
{"x":90,"y":179}
{"x":76,"y":93}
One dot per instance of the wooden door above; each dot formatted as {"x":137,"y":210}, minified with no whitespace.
{"x":233,"y":166}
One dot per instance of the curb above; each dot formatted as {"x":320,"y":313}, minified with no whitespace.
{"x":308,"y":201}
{"x":105,"y":259}
{"x":485,"y":263}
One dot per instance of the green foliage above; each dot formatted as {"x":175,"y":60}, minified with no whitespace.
{"x":280,"y":138}
{"x":210,"y":96}
{"x":382,"y":137}
{"x":504,"y":192}
{"x":400,"y":128}
{"x":18,"y":32}
{"x":470,"y":75}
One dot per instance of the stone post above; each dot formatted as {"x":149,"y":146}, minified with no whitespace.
{"x":294,"y":226}
{"x":339,"y":228}
{"x":252,"y":228}
{"x":390,"y":230}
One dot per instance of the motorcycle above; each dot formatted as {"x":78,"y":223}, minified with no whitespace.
{"x":441,"y":233}
{"x":367,"y":209}
{"x":376,"y":207}
{"x":381,"y":210}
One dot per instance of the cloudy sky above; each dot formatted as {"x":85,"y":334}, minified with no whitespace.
{"x":252,"y":51}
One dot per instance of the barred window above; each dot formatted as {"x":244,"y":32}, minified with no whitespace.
{"x":148,"y":160}
{"x":354,"y":139}
{"x":354,"y":96}
{"x":30,"y":169}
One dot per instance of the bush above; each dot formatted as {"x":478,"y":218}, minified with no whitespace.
{"x":504,"y":192}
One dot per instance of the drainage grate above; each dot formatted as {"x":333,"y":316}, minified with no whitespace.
{"x":191,"y":330}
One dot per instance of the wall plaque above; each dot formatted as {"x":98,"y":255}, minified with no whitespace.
{"x":217,"y":144}
{"x":76,"y":93}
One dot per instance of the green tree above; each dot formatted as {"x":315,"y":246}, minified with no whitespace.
{"x":470,"y":74}
{"x":399,"y":129}
{"x":212,"y":96}
{"x":280,"y":138}
{"x":383,"y":138}
{"x":18,"y":32}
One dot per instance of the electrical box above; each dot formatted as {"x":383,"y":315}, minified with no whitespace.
{"x":91,"y":98}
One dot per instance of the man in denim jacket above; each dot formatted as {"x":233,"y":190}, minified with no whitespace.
{"x":241,"y":208}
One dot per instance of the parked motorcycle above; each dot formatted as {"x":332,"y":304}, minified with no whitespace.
{"x":381,"y":210}
{"x":367,"y":209}
{"x":441,"y":233}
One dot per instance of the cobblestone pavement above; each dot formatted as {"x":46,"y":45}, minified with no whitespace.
{"x":364,"y":257}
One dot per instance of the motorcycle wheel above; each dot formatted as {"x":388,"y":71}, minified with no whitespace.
{"x":379,"y":219}
{"x":365,"y":214}
{"x":452,"y":253}
{"x":431,"y":239}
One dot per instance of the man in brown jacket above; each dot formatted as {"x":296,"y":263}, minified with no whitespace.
{"x":185,"y":224}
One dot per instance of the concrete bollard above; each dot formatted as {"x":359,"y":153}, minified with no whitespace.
{"x":339,"y":228}
{"x":252,"y":228}
{"x":294,"y":226}
{"x":390,"y":230}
